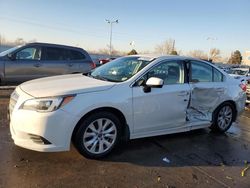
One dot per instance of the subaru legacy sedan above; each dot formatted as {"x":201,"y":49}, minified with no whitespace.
{"x":128,"y":98}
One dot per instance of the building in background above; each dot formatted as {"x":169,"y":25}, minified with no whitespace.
{"x":247,"y":58}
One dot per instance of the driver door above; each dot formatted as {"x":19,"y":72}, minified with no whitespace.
{"x":161,"y":109}
{"x":24,"y":66}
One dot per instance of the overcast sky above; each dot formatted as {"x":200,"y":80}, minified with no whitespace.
{"x":146,"y":22}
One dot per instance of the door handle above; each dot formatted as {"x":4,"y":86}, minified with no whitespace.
{"x":70,"y":64}
{"x":37,"y":65}
{"x":220,"y":89}
{"x":183,"y":93}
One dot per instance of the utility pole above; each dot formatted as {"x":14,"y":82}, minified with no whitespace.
{"x":211,"y":39}
{"x":110,"y":38}
{"x":173,"y":47}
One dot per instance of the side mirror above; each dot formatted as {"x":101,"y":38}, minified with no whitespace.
{"x":11,"y":57}
{"x":154,"y":82}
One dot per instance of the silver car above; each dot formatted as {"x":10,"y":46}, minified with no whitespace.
{"x":130,"y":97}
{"x":36,"y":60}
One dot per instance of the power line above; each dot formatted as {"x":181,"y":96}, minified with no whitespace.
{"x":116,"y":35}
{"x":51,"y":27}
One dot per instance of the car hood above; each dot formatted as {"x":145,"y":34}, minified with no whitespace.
{"x":64,"y":85}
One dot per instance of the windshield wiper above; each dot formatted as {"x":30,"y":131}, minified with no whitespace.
{"x":99,"y":77}
{"x":102,"y":78}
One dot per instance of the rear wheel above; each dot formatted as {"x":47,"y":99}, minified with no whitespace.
{"x":98,"y":134}
{"x":223,"y":117}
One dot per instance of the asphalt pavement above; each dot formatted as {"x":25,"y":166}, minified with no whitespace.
{"x":198,"y":158}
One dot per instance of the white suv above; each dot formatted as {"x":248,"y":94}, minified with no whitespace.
{"x":130,"y":97}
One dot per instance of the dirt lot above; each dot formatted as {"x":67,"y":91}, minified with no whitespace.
{"x":194,"y":159}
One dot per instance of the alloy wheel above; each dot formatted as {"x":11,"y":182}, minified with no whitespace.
{"x":225,"y":117}
{"x":100,"y":136}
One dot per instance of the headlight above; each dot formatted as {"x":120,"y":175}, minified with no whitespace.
{"x":46,"y":104}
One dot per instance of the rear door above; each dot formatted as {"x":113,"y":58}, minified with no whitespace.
{"x":25,"y":65}
{"x":54,"y":61}
{"x":208,"y":91}
{"x":77,"y":61}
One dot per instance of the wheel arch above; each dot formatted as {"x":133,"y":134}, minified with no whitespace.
{"x":223,"y":103}
{"x":125,"y":128}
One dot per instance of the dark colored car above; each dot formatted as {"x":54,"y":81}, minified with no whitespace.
{"x":103,"y":61}
{"x":36,"y":60}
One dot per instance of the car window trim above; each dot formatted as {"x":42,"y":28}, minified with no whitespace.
{"x":190,"y":71}
{"x":133,"y":84}
{"x":200,"y":62}
{"x":222,"y":76}
{"x":25,"y":47}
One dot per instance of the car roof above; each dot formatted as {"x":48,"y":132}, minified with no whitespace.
{"x":53,"y":45}
{"x":151,"y":57}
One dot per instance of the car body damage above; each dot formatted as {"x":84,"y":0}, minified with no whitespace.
{"x":203,"y":102}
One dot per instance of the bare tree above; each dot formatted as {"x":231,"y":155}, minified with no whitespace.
{"x":198,"y":54}
{"x":2,"y":40}
{"x":19,"y":41}
{"x":32,"y":40}
{"x":166,"y":47}
{"x":215,"y":55}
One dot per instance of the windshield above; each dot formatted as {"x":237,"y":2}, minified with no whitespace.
{"x":121,"y":69}
{"x":9,"y":51}
{"x":238,"y":72}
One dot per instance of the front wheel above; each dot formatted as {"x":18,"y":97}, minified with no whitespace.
{"x":98,"y":134}
{"x":223,"y":117}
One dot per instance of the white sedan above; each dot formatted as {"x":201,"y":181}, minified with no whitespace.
{"x":130,"y":97}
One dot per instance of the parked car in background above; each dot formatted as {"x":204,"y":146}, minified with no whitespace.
{"x":104,"y":61}
{"x":130,"y":97}
{"x":36,"y":60}
{"x":240,"y":73}
{"x":248,"y":93}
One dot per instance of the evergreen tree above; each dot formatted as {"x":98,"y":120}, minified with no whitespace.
{"x":132,"y":52}
{"x":235,"y":58}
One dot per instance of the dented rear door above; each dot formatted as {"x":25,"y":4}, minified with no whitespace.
{"x":207,"y":91}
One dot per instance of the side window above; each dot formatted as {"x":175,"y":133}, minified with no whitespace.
{"x":53,"y":54}
{"x":218,"y":76}
{"x":30,"y":53}
{"x":170,"y":72}
{"x":201,"y":72}
{"x":74,"y":55}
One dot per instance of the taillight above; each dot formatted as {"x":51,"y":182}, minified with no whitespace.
{"x":93,"y":65}
{"x":243,"y":87}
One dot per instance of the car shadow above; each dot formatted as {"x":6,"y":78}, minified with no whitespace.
{"x":195,"y":148}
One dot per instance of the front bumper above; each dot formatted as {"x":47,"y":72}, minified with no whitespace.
{"x":37,"y":131}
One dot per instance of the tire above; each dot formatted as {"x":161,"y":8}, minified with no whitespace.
{"x":98,"y":135}
{"x":223,"y":117}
